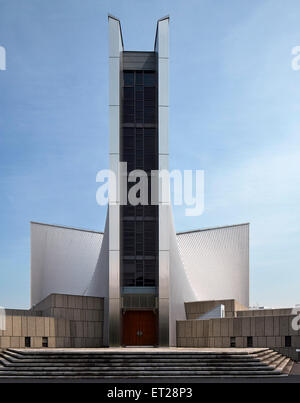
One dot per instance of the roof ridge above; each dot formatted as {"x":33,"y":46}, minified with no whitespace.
{"x":211,"y":228}
{"x":66,"y":227}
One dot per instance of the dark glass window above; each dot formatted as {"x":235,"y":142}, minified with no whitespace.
{"x":232,"y":342}
{"x":139,"y":89}
{"x":128,"y":118}
{"x":128,"y":131}
{"x":128,"y":143}
{"x":139,"y":211}
{"x":139,"y":105}
{"x":150,"y":131}
{"x":128,"y":93}
{"x":149,"y":79}
{"x":128,"y":211}
{"x":250,"y":341}
{"x":139,"y":78}
{"x":151,"y":211}
{"x":27,"y":342}
{"x":128,"y":273}
{"x":45,"y":341}
{"x":149,"y":116}
{"x":128,"y":78}
{"x":139,"y":117}
{"x":149,"y":273}
{"x":128,"y":109}
{"x":149,"y":102}
{"x":149,"y":93}
{"x":139,"y":148}
{"x":288,"y":341}
{"x":139,"y":96}
{"x":150,"y":144}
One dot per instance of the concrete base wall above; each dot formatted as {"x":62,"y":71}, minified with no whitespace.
{"x":195,"y":309}
{"x":266,"y":331}
{"x":264,"y":312}
{"x":65,"y":320}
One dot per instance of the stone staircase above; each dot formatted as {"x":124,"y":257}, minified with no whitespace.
{"x":80,"y":364}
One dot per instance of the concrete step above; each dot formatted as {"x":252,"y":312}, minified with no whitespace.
{"x":271,"y":359}
{"x":277,"y":361}
{"x":138,"y":376}
{"x":137,"y":368}
{"x":280,"y":363}
{"x":117,"y":361}
{"x":82,"y":364}
{"x":133,"y":374}
{"x":131,"y":362}
{"x":267,"y":355}
{"x":262,"y":353}
{"x":283,"y":364}
{"x":136,"y":365}
{"x":112,"y":356}
{"x":287,"y":369}
{"x":153,"y":352}
{"x":132,"y":357}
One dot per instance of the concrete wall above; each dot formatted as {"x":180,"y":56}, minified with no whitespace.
{"x":85,"y":315}
{"x":264,"y":312}
{"x":19,"y":327}
{"x":195,"y":309}
{"x":22,"y":312}
{"x":66,"y":320}
{"x":267,"y":331}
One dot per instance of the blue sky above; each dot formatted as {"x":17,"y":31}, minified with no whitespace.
{"x":235,"y":113}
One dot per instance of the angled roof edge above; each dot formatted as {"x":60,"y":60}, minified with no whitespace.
{"x":167,"y":17}
{"x":100,"y":232}
{"x":117,"y":19}
{"x":65,"y":227}
{"x":211,"y":228}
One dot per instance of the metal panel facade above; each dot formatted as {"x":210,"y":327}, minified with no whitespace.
{"x":115,"y":49}
{"x":161,"y":47}
{"x":63,"y":260}
{"x":216,"y":261}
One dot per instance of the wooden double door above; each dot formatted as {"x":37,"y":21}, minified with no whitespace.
{"x":139,"y":328}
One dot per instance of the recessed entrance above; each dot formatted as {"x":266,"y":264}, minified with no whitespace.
{"x":139,"y":328}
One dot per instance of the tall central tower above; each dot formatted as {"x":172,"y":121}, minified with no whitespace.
{"x":144,"y":271}
{"x":138,"y":234}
